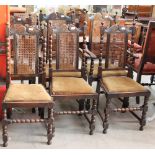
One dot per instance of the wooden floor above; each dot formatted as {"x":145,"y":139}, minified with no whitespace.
{"x":72,"y":131}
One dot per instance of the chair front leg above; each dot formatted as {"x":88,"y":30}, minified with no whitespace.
{"x":92,"y":121}
{"x":50,"y":127}
{"x":106,"y":112}
{"x":144,"y":111}
{"x":4,"y":129}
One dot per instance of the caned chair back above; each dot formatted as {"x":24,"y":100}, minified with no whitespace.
{"x":149,"y":45}
{"x":26,"y":52}
{"x":67,"y":57}
{"x":116,"y":47}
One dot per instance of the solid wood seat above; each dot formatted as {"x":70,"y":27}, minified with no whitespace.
{"x":70,"y":86}
{"x":122,"y":84}
{"x":27,"y":93}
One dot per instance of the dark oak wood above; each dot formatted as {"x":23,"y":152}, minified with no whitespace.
{"x":29,"y":52}
{"x":67,"y":60}
{"x":116,"y":58}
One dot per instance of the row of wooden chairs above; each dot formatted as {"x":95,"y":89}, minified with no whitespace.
{"x":66,"y":69}
{"x":26,"y":61}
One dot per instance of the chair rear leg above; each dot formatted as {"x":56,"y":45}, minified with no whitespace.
{"x":4,"y":129}
{"x":87,"y":105}
{"x":9,"y":113}
{"x":81,"y":104}
{"x":139,"y":81}
{"x":32,"y":81}
{"x":125,"y":102}
{"x":41,"y":112}
{"x":98,"y":91}
{"x":92,"y":121}
{"x":106,"y":112}
{"x":145,"y":109}
{"x":152,"y":79}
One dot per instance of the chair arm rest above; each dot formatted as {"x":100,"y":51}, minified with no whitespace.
{"x":85,"y":54}
{"x":132,"y":54}
{"x":88,"y":53}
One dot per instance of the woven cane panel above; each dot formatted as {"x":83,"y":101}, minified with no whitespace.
{"x":67,"y":51}
{"x":26,"y":54}
{"x":116,"y":50}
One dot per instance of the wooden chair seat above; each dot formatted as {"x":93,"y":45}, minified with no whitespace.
{"x":148,"y":67}
{"x":70,"y":85}
{"x":122,"y":84}
{"x":27,"y":93}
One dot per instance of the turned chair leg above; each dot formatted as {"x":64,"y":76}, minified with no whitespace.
{"x":81,"y":104}
{"x":125,"y":102}
{"x":139,"y":81}
{"x":33,"y":110}
{"x":152,"y":79}
{"x":106,"y":112}
{"x":145,"y":109}
{"x":9,"y":113}
{"x":41,"y":112}
{"x":4,"y":129}
{"x":32,"y":81}
{"x":50,"y":127}
{"x":87,"y":104}
{"x":137,"y":99}
{"x":92,"y":121}
{"x":98,"y":92}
